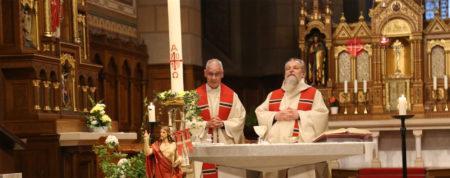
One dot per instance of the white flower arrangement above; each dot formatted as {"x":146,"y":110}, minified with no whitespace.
{"x":112,"y":140}
{"x":97,"y":117}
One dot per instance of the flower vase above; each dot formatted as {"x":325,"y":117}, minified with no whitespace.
{"x":334,"y":110}
{"x":102,"y":129}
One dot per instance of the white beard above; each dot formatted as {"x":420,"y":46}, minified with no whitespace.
{"x":291,"y":82}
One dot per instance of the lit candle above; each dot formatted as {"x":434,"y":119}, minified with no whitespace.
{"x":445,"y":82}
{"x":434,"y":83}
{"x":176,"y":55}
{"x":346,"y":86}
{"x":151,"y":113}
{"x":355,"y":87}
{"x":365,"y":86}
{"x":402,"y":105}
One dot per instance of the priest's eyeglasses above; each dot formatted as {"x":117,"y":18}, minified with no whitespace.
{"x":209,"y":74}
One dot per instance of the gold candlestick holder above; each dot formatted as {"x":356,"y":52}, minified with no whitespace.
{"x":355,"y":98}
{"x":344,"y":100}
{"x":365,"y":102}
{"x":438,"y":95}
{"x":446,"y":99}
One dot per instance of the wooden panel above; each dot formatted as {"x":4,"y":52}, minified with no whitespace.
{"x":41,"y":158}
{"x":7,"y":164}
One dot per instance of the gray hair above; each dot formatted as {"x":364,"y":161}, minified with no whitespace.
{"x":211,"y":61}
{"x":302,"y":63}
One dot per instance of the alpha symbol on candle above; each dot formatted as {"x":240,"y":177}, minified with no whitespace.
{"x":174,"y":57}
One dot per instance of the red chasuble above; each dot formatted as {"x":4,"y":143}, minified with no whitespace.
{"x":159,"y":166}
{"x":226,"y":102}
{"x":304,"y":103}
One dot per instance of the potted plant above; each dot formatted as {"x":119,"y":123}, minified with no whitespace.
{"x":334,"y":105}
{"x":97,"y":120}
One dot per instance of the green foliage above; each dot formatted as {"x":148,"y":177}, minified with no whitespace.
{"x":133,"y":167}
{"x":189,"y":98}
{"x":97,"y":116}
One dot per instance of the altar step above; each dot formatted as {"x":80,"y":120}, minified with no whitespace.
{"x":391,"y":173}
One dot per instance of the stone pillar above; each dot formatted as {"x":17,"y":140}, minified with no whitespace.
{"x":419,"y":161}
{"x":376,"y":160}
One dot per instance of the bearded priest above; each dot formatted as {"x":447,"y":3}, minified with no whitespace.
{"x":296,"y":111}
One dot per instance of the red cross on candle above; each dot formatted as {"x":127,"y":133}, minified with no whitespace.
{"x":174,"y":57}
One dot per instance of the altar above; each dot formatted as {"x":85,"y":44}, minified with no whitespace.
{"x":274,"y":157}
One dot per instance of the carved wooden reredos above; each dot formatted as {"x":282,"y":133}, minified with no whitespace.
{"x":418,"y":50}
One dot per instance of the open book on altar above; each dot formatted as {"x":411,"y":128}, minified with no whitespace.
{"x":344,"y":135}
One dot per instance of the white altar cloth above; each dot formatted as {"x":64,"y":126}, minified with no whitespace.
{"x":274,"y":157}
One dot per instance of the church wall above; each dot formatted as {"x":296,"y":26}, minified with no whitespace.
{"x":153,"y":29}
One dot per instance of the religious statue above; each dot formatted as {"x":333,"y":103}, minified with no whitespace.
{"x":397,"y":46}
{"x":27,"y":27}
{"x":316,"y":62}
{"x":163,"y":160}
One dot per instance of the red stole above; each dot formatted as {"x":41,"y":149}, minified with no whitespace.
{"x":159,"y":166}
{"x":226,"y":102}
{"x":304,"y":104}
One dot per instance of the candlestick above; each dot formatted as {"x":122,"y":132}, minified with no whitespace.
{"x":151,"y":113}
{"x":176,"y":55}
{"x":355,"y":86}
{"x":402,"y":105}
{"x":434,"y":83}
{"x":365,"y":86}
{"x":445,"y":82}
{"x":345,"y":86}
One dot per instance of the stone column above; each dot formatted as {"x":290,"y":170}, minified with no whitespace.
{"x":419,"y":161}
{"x":376,"y":160}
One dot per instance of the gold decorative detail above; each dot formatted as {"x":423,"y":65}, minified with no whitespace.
{"x":76,"y":37}
{"x":47,"y":11}
{"x":395,"y":87}
{"x":36,"y":83}
{"x":56,"y":85}
{"x":36,"y":107}
{"x":92,"y":89}
{"x":396,"y":27}
{"x":361,"y":97}
{"x":47,"y":108}
{"x":84,"y":88}
{"x":46,"y":47}
{"x":53,"y":47}
{"x":38,"y":41}
{"x":56,"y":108}
{"x":82,"y":20}
{"x":46,"y":83}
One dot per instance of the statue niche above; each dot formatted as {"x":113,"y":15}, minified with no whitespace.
{"x":317,"y":59}
{"x":398,"y":58}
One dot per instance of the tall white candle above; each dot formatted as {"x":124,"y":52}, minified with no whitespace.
{"x":176,"y":55}
{"x":434,"y":83}
{"x":445,"y":82}
{"x":365,"y":86}
{"x":355,"y":87}
{"x":151,"y":113}
{"x":346,"y":86}
{"x":402,"y":105}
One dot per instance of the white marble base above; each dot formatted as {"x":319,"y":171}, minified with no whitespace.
{"x":11,"y":175}
{"x":89,"y":138}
